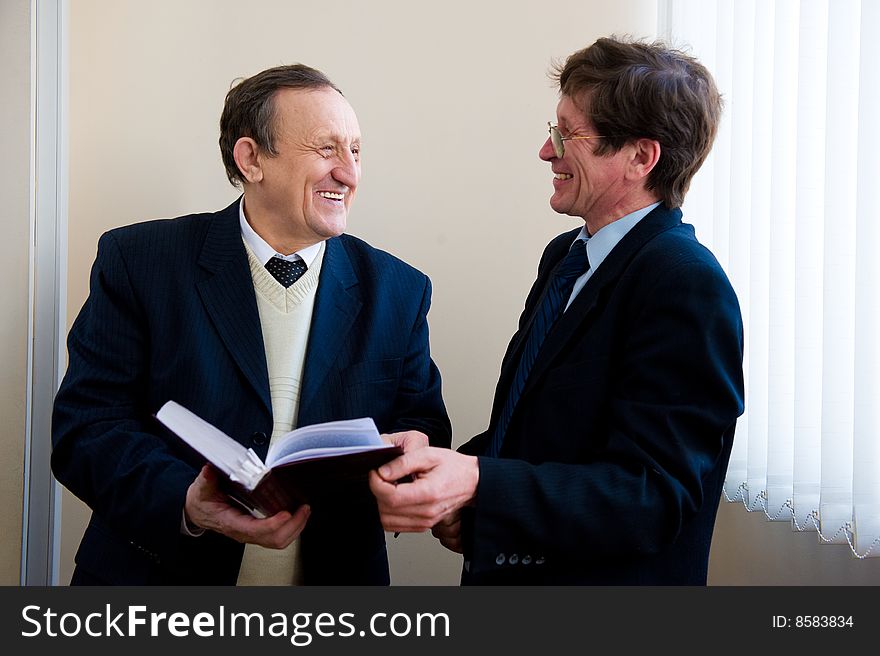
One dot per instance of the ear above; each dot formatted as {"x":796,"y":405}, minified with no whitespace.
{"x":645,"y":155}
{"x":246,"y":155}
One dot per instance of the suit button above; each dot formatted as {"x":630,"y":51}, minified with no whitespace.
{"x":513,"y":560}
{"x":539,"y":560}
{"x":527,"y":560}
{"x":499,"y":559}
{"x":258,"y":438}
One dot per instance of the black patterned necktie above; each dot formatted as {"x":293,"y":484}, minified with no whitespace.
{"x":285,"y":272}
{"x":572,"y":267}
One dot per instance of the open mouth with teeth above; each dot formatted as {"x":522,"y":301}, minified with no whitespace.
{"x":331,"y":195}
{"x":562,"y":176}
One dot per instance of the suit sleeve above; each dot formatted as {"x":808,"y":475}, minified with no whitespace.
{"x":105,"y":449}
{"x":419,"y":403}
{"x":677,"y":388}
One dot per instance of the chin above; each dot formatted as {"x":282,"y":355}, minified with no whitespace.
{"x":331,"y":228}
{"x":560,"y":207}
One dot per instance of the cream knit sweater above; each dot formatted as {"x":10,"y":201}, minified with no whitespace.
{"x":285,"y":317}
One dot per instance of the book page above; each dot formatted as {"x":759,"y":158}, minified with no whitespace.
{"x":327,"y":451}
{"x":327,"y":439}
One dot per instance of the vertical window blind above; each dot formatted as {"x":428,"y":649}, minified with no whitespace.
{"x":788,"y":201}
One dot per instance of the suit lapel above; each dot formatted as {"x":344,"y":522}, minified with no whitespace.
{"x":600,"y":283}
{"x":336,"y":306}
{"x":229,"y":299}
{"x":513,"y":353}
{"x":543,"y":283}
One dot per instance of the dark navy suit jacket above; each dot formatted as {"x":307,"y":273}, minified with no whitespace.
{"x":172,"y":314}
{"x":612,"y":466}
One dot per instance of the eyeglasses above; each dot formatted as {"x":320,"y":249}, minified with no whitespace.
{"x":558,"y":140}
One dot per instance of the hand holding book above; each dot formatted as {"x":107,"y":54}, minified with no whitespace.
{"x":408,"y":441}
{"x":208,"y":507}
{"x":313,"y":464}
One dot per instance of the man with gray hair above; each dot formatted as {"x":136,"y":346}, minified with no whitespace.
{"x":261,"y":317}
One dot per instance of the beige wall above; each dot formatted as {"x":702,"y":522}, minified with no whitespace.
{"x":14,"y":262}
{"x":453,"y":101}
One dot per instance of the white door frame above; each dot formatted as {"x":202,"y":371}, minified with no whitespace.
{"x":47,"y":321}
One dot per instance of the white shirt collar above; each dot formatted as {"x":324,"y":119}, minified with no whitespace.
{"x":264,"y":252}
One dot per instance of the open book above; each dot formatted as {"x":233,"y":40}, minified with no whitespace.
{"x":308,"y":465}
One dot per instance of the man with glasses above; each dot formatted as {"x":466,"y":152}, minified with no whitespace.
{"x":615,"y":410}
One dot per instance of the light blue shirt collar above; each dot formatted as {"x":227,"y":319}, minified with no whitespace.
{"x":264,"y":252}
{"x":603,"y":242}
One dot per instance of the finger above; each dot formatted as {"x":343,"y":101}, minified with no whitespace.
{"x":280,"y":519}
{"x":452,"y":544}
{"x":416,"y":496}
{"x":451,"y":519}
{"x":289,"y":531}
{"x":380,"y":488}
{"x":417,"y":500}
{"x":396,"y":499}
{"x":395,"y":439}
{"x":405,"y":523}
{"x":445,"y":537}
{"x":386,"y":493}
{"x":405,"y":465}
{"x":441,"y":530}
{"x":425,"y":515}
{"x":413,"y":440}
{"x":270,"y":532}
{"x":247,"y":528}
{"x":210,"y":474}
{"x":300,"y":517}
{"x":403,"y":526}
{"x":208,"y":485}
{"x":407,"y":440}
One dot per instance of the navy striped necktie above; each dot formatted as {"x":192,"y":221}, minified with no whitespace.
{"x":572,"y":267}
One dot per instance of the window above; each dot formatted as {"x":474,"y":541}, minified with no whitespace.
{"x":788,"y":201}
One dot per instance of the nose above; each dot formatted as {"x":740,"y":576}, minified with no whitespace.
{"x":547,"y":153}
{"x":348,"y":172}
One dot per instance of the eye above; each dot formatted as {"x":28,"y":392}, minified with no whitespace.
{"x":356,"y":151}
{"x":327,"y":151}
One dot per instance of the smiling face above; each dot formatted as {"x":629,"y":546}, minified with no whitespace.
{"x":585,"y":185}
{"x":301,"y":195}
